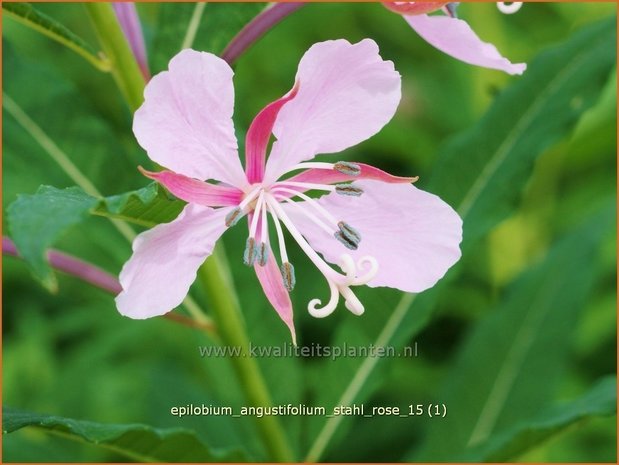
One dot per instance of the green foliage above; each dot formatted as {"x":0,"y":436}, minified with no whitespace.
{"x":28,"y":15}
{"x":141,"y":443}
{"x":36,"y":221}
{"x":538,"y":158}
{"x":146,"y":207}
{"x":216,"y":23}
{"x":484,"y":171}
{"x":600,"y":400}
{"x":534,"y":322}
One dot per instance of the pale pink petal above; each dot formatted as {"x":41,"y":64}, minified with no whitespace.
{"x":185,"y":122}
{"x":455,"y":37}
{"x":347,"y":93}
{"x":414,"y":235}
{"x":165,"y":260}
{"x":329,"y":176}
{"x":270,"y":278}
{"x":194,"y":191}
{"x":258,"y":136}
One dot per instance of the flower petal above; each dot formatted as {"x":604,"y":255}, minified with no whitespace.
{"x":414,"y":235}
{"x":194,"y":191}
{"x":414,"y":8}
{"x":271,"y":280}
{"x":456,"y":38}
{"x":185,"y":122}
{"x":165,"y":259}
{"x":129,"y":21}
{"x":347,"y":93}
{"x":258,"y":136}
{"x":326,"y":176}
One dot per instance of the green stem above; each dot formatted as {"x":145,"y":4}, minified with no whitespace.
{"x":125,"y":69}
{"x":217,"y":280}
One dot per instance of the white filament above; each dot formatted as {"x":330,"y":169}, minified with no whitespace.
{"x":257,"y":212}
{"x":280,"y":235}
{"x":509,"y":8}
{"x":339,"y":284}
{"x":315,"y":205}
{"x":310,"y":164}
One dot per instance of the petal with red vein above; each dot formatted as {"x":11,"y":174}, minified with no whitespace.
{"x":273,"y":286}
{"x":194,"y":191}
{"x":326,"y":176}
{"x":258,"y":136}
{"x":347,"y":93}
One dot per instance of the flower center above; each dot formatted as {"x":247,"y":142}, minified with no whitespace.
{"x":261,"y":202}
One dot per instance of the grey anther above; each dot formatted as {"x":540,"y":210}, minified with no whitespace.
{"x":345,"y":167}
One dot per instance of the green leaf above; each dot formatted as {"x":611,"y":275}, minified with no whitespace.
{"x":147,"y":207}
{"x":482,"y":174}
{"x":36,"y":221}
{"x":138,"y":442}
{"x":216,"y":24}
{"x":483,"y":171}
{"x":600,"y":400}
{"x":28,"y":15}
{"x":511,"y":364}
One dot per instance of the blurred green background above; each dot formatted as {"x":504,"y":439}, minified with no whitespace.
{"x":71,"y":354}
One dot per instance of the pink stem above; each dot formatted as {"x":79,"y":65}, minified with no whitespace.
{"x":93,"y":275}
{"x":257,"y":27}
{"x":73,"y":266}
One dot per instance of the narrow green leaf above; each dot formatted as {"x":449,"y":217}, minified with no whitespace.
{"x":28,"y":15}
{"x":211,"y":27}
{"x":600,"y":400}
{"x":510,"y":366}
{"x":138,"y":442}
{"x":36,"y":221}
{"x":482,"y":173}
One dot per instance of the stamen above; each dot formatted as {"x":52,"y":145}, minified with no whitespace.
{"x":251,"y":253}
{"x":349,"y":232}
{"x":257,"y":213}
{"x":320,"y":209}
{"x":509,"y":8}
{"x":251,"y":196}
{"x":280,"y":235}
{"x":310,"y":164}
{"x":288,"y":275}
{"x":450,"y":9}
{"x":233,"y":217}
{"x":263,"y":254}
{"x":349,"y":244}
{"x":307,"y":185}
{"x":310,"y":215}
{"x":350,"y":169}
{"x":264,"y":236}
{"x":348,"y":189}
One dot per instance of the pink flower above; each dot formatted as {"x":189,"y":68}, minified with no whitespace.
{"x":379,"y":230}
{"x":452,"y":36}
